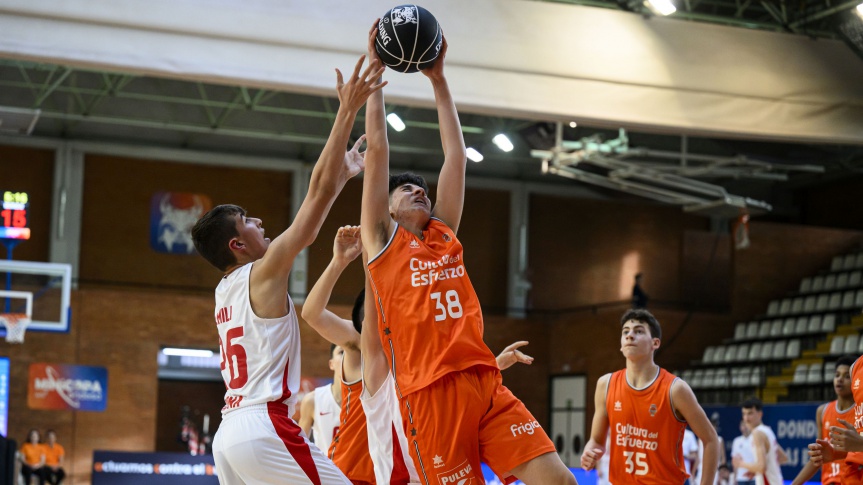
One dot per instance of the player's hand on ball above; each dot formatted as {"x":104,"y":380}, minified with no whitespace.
{"x":348,"y":244}
{"x":354,"y":91}
{"x":373,"y":52}
{"x":436,"y":70}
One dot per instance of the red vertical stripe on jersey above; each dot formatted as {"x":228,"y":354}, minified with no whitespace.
{"x":400,"y":470}
{"x":289,"y":432}
{"x":286,"y":392}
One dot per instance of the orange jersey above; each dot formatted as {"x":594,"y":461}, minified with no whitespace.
{"x":832,"y":472}
{"x":32,"y":453}
{"x":429,"y":317}
{"x":856,"y":458}
{"x":350,"y":447}
{"x":646,"y":434}
{"x":53,"y":454}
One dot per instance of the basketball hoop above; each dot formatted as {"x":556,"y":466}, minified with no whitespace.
{"x":16,"y":326}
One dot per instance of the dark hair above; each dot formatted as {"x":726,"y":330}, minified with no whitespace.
{"x":38,"y":435}
{"x":332,"y":350}
{"x":641,"y":315}
{"x":213,"y":231}
{"x":846,"y":360}
{"x":357,"y":314}
{"x":397,"y":181}
{"x":723,"y":465}
{"x":753,"y":403}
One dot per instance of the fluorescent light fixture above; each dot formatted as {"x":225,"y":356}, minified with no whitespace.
{"x":860,"y":10}
{"x":474,"y":155}
{"x":573,"y":124}
{"x":396,"y":122}
{"x":502,"y":142}
{"x":187,"y":352}
{"x":661,"y":7}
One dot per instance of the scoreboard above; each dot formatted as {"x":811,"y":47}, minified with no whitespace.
{"x":15,"y":215}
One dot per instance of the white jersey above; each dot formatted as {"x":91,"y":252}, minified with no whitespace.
{"x":260,"y":356}
{"x":743,"y":448}
{"x":326,"y":420}
{"x":772,"y":475}
{"x":690,"y":446}
{"x":391,"y":457}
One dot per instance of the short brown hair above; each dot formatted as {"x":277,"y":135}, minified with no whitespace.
{"x":213,"y":231}
{"x":641,"y":315}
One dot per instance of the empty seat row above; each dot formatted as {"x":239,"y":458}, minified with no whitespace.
{"x":722,"y":378}
{"x":817,"y":373}
{"x":832,"y":281}
{"x":850,"y":344}
{"x":785,"y":327}
{"x":847,"y":262}
{"x":757,"y":351}
{"x":828,"y":301}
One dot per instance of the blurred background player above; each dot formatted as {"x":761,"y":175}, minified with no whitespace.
{"x":742,"y":448}
{"x":350,"y":447}
{"x":259,"y":337}
{"x":320,"y":409}
{"x":826,"y":416}
{"x":456,"y":411}
{"x":690,"y":454}
{"x":768,"y":454}
{"x":646,"y":409}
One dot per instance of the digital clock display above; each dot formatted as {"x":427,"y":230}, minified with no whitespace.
{"x":15,"y":215}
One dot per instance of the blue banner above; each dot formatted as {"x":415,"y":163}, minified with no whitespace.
{"x":4,"y":396}
{"x":794,"y":425}
{"x":122,"y":468}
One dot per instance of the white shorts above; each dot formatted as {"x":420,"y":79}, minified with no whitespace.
{"x":261,"y":444}
{"x":388,"y":445}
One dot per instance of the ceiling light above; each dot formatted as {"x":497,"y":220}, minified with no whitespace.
{"x":396,"y":122}
{"x":187,"y":352}
{"x":474,"y":155}
{"x":859,"y":10}
{"x":573,"y":124}
{"x":502,"y":142}
{"x":661,"y":7}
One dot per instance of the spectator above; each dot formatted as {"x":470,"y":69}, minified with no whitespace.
{"x":639,"y":297}
{"x":740,"y":448}
{"x":54,"y":454}
{"x":32,"y":458}
{"x":724,"y":477}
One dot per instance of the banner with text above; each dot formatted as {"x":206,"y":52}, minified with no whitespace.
{"x":122,"y":468}
{"x":67,"y":387}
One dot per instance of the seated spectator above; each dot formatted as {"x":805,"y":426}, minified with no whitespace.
{"x":32,"y":458}
{"x":54,"y":453}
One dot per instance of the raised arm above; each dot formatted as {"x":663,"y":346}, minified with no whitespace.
{"x":333,"y":169}
{"x":336,"y":330}
{"x":686,"y":405}
{"x":450,"y":189}
{"x":375,"y":221}
{"x":375,"y":367}
{"x":595,"y":448}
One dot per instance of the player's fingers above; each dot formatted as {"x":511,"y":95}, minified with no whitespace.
{"x":523,"y":358}
{"x":378,"y":87}
{"x":359,"y":142}
{"x":340,"y":80}
{"x":358,"y":67}
{"x":515,"y":345}
{"x":847,"y":424}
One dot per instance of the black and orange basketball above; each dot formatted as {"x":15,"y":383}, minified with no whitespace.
{"x":409,"y":38}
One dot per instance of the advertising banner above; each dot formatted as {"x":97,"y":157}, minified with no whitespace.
{"x":67,"y":387}
{"x":123,"y":468}
{"x":172,"y":215}
{"x":793,"y":424}
{"x":4,"y":396}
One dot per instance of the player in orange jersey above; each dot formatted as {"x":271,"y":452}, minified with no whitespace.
{"x":456,"y":411}
{"x":826,"y":416}
{"x":846,"y":442}
{"x":647,"y":409}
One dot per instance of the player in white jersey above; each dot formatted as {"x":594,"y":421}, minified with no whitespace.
{"x":319,"y":410}
{"x":741,"y":448}
{"x":768,"y":453}
{"x":259,"y":339}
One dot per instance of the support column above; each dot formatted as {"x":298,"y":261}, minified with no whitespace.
{"x":298,"y":284}
{"x":518,"y":284}
{"x":67,"y":208}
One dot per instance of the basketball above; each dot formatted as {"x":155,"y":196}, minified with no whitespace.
{"x":409,"y":38}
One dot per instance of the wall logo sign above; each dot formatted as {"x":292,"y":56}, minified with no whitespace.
{"x":172,"y":215}
{"x":67,"y":387}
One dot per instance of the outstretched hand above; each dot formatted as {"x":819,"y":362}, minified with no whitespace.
{"x":348,"y":244}
{"x":845,"y":438}
{"x":512,"y":355}
{"x":355,"y":160}
{"x":436,"y":70}
{"x":354,"y":91}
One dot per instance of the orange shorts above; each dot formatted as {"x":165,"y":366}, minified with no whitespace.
{"x":465,"y":418}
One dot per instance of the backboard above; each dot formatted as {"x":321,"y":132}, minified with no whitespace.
{"x":42,"y":290}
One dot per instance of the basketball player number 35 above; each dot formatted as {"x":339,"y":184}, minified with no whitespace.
{"x":640,"y":462}
{"x":235,"y":355}
{"x":452,"y":308}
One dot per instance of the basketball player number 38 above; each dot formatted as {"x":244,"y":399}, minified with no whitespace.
{"x":638,"y":465}
{"x":452,"y":308}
